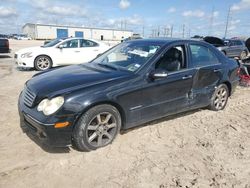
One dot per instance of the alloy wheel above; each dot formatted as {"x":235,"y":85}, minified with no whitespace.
{"x":43,"y":63}
{"x":220,"y":98}
{"x":101,"y":129}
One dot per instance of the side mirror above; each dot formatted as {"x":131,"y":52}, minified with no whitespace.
{"x":60,"y":46}
{"x":158,"y":74}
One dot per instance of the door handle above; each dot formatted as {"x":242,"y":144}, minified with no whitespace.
{"x":96,"y":50}
{"x":77,"y":51}
{"x":217,"y":70}
{"x":187,"y":77}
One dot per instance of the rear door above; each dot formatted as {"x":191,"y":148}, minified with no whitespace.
{"x":88,"y":50}
{"x":233,"y":49}
{"x":208,"y":73}
{"x":69,"y":53}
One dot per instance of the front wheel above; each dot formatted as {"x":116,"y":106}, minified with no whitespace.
{"x":97,"y":128}
{"x":219,"y":98}
{"x":42,"y":63}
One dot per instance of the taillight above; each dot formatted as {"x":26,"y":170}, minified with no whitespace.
{"x":7,"y":44}
{"x":238,"y":71}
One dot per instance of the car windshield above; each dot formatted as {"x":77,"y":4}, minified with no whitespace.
{"x":129,"y":55}
{"x":52,"y":43}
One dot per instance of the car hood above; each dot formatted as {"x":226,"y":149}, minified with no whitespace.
{"x":75,"y":77}
{"x":217,"y":42}
{"x":30,"y":49}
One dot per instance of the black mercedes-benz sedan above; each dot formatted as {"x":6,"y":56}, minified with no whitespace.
{"x":135,"y":82}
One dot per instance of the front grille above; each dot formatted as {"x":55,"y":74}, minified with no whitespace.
{"x":28,"y":97}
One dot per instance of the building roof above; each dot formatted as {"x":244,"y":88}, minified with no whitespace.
{"x":67,"y":26}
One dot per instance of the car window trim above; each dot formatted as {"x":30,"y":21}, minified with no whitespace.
{"x":60,"y":43}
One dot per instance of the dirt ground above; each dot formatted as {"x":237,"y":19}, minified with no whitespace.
{"x":201,"y":148}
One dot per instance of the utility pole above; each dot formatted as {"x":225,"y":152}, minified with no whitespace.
{"x":228,"y":15}
{"x":125,"y":24}
{"x":165,"y":32}
{"x":183,"y":31}
{"x":172,"y":27}
{"x":143,"y":31}
{"x":152,"y":32}
{"x":189,"y":32}
{"x":211,"y":22}
{"x":158,"y":32}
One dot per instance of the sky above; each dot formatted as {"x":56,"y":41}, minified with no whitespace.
{"x":146,"y":17}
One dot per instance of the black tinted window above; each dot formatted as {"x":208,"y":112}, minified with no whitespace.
{"x":2,"y":43}
{"x":202,"y":56}
{"x":87,"y":43}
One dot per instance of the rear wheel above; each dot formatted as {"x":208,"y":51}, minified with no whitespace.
{"x":219,"y":98}
{"x":243,"y":55}
{"x":43,"y":63}
{"x":97,"y":128}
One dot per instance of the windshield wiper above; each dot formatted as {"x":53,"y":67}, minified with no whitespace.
{"x":108,"y":66}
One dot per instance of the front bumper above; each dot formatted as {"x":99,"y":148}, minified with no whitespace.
{"x":32,"y":122}
{"x":24,"y":62}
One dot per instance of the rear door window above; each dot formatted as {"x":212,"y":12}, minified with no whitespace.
{"x":87,"y":43}
{"x":202,"y":56}
{"x":238,"y":43}
{"x":70,"y":44}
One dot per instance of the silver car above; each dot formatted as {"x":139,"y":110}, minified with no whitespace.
{"x":234,"y":48}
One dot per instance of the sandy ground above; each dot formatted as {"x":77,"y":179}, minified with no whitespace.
{"x":201,"y":148}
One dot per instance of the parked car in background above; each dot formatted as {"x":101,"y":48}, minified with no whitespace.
{"x":4,"y":45}
{"x":234,"y":48}
{"x":22,"y":37}
{"x":59,"y":52}
{"x":133,"y":83}
{"x":231,"y":47}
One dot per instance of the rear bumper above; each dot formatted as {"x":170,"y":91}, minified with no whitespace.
{"x":234,"y":85}
{"x":5,"y":50}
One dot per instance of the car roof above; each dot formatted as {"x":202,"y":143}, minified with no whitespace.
{"x":166,"y":40}
{"x":70,"y":38}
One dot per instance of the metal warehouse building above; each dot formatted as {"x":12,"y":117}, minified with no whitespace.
{"x":42,"y":31}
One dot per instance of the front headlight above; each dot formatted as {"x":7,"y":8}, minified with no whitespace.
{"x":26,"y":55}
{"x":49,"y":107}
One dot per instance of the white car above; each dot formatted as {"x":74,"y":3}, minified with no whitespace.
{"x":60,"y":52}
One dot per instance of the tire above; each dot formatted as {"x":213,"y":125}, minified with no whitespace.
{"x":42,"y":63}
{"x":96,"y":128}
{"x":243,"y":55}
{"x":219,"y":98}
